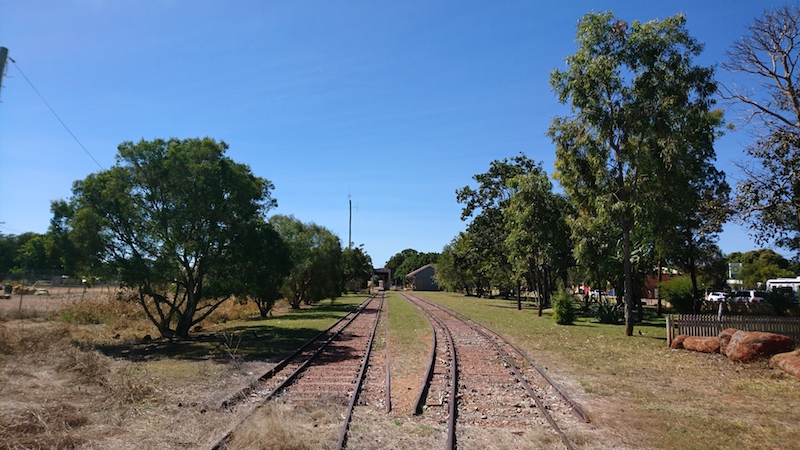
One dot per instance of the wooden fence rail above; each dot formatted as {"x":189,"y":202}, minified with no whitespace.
{"x":711,"y":325}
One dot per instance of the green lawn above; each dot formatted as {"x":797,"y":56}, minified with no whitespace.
{"x":646,"y":394}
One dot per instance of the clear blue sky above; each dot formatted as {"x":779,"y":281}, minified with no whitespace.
{"x":396,"y":104}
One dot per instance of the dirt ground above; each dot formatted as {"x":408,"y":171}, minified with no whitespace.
{"x":58,"y":389}
{"x":55,"y":393}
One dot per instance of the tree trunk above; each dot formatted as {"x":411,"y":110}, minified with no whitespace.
{"x":693,"y":274}
{"x":628,"y":269}
{"x":539,"y":292}
{"x":658,"y":288}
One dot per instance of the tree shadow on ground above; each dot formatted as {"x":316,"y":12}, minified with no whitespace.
{"x":255,"y":339}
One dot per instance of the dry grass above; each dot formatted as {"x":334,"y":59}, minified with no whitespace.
{"x":80,"y":377}
{"x":43,"y":427}
{"x":86,"y":360}
{"x":281,"y":426}
{"x":58,"y":391}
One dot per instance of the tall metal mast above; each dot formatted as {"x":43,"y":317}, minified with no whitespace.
{"x":350,"y":226}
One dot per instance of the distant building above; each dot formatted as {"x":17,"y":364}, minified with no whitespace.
{"x":422,"y":279}
{"x":384,"y":278}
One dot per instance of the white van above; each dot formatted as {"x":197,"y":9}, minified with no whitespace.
{"x":790,"y":283}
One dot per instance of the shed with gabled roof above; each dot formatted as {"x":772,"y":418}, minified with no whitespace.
{"x":422,"y":279}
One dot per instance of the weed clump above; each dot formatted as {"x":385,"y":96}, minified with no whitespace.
{"x":609,"y":312}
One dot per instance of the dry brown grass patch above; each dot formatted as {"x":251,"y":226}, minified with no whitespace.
{"x":42,"y":427}
{"x":281,"y":426}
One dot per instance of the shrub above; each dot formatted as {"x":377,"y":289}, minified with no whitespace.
{"x":609,"y":312}
{"x":563,"y":309}
{"x":678,"y":292}
{"x":783,"y":300}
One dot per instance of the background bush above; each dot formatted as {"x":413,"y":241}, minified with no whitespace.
{"x":678,"y":292}
{"x":563,"y":309}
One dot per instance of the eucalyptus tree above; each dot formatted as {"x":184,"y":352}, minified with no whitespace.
{"x":396,"y":261}
{"x":413,"y":263}
{"x":454,"y":267}
{"x":168,"y":219}
{"x":487,"y":234}
{"x":768,"y":193}
{"x":262,"y":265}
{"x":485,"y":206}
{"x":538,"y":241}
{"x":634,"y":93}
{"x":356,"y":265}
{"x":695,"y":216}
{"x":35,"y":252}
{"x":316,"y":257}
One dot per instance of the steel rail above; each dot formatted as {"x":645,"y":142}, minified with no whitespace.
{"x":426,"y":381}
{"x":474,"y":325}
{"x":231,"y":401}
{"x":360,"y":380}
{"x":525,"y":385}
{"x":388,"y":405}
{"x":344,"y":321}
{"x":452,"y":412}
{"x":575,"y":408}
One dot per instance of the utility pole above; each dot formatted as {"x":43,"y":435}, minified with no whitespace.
{"x":3,"y":57}
{"x":350,"y":226}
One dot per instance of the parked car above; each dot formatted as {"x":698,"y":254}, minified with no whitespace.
{"x":749,"y":296}
{"x":716,"y":297}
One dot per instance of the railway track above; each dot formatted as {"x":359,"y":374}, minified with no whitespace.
{"x":329,"y":368}
{"x":475,"y":381}
{"x":478,"y":380}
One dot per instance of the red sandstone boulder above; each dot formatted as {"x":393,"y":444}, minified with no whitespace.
{"x":787,"y":362}
{"x":678,"y":341}
{"x":705,"y":344}
{"x":748,"y":345}
{"x":724,"y":338}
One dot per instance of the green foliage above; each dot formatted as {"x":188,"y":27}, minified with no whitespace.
{"x":28,"y":251}
{"x":397,"y":259}
{"x":538,"y":242}
{"x":316,"y":260}
{"x":758,"y":266}
{"x":783,"y":300}
{"x":678,"y":292}
{"x":356,"y":266}
{"x":609,"y":312}
{"x":262,"y":265}
{"x":487,"y":205}
{"x":563,"y":308}
{"x":168,"y":219}
{"x":640,"y":115}
{"x":456,"y":267}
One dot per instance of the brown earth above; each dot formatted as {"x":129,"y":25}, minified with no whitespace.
{"x":58,"y":391}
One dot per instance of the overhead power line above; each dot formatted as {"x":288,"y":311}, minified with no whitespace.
{"x":54,"y":113}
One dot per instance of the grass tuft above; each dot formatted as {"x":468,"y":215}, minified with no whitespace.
{"x":45,"y":426}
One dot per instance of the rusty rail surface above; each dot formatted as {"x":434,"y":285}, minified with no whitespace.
{"x":507,"y":352}
{"x":279,"y":378}
{"x":361,"y":375}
